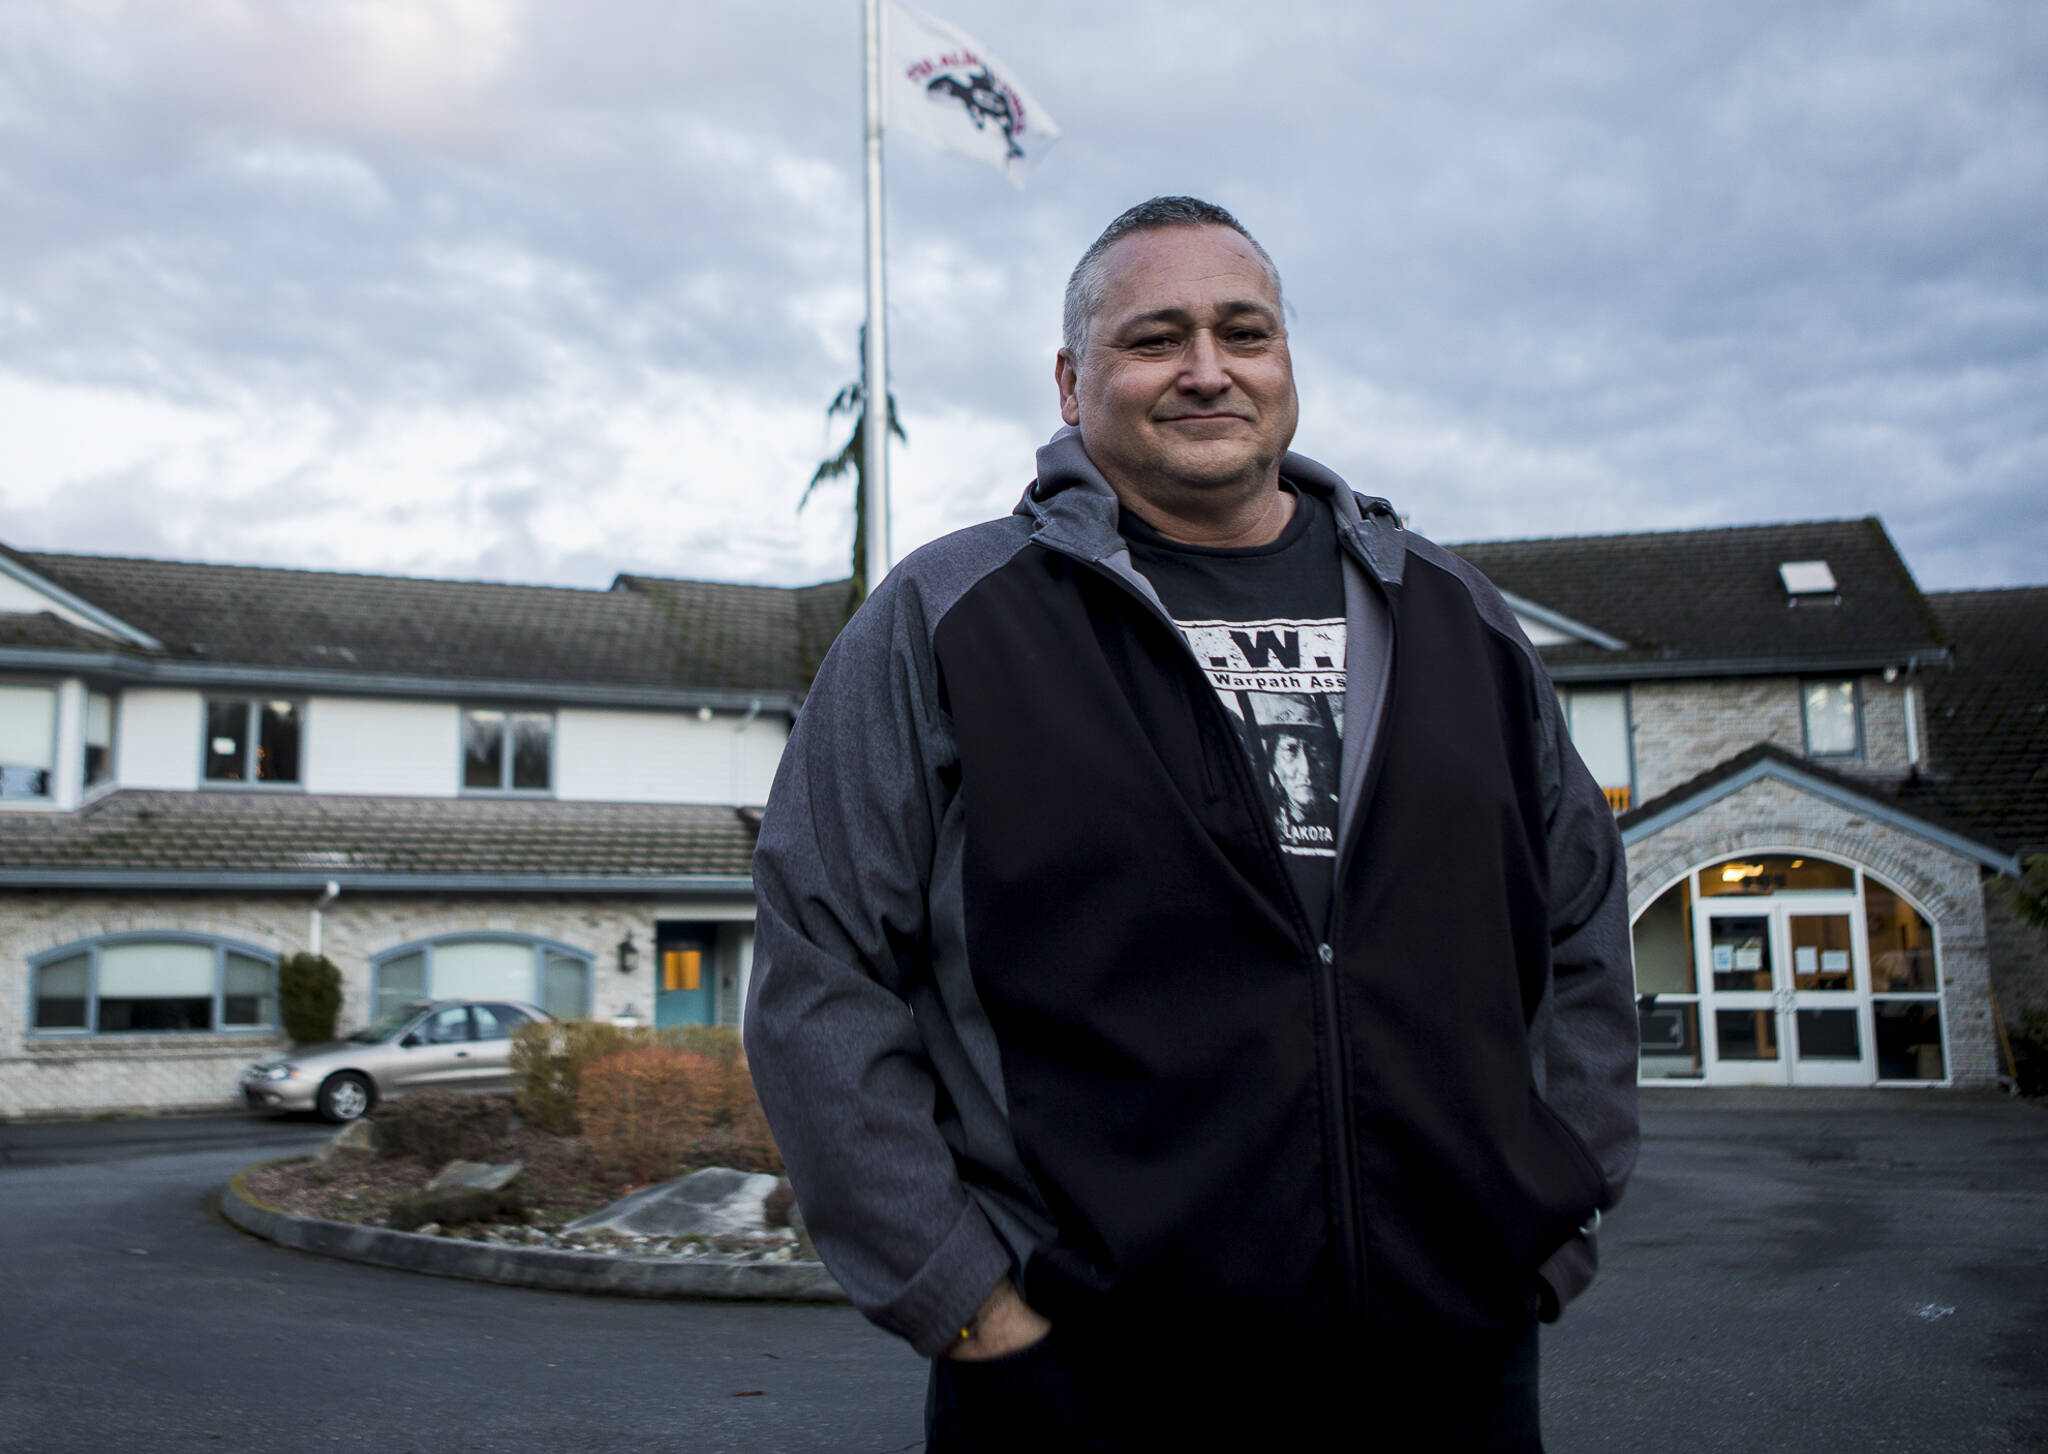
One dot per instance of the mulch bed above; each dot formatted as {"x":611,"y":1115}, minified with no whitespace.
{"x":560,"y":1183}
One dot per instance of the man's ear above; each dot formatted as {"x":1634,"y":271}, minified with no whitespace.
{"x":1065,"y":375}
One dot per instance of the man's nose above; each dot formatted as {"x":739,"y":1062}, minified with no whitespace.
{"x":1203,"y":371}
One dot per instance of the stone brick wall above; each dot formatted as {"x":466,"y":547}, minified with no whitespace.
{"x":66,"y":1075}
{"x":1769,"y":816}
{"x":1682,"y":728}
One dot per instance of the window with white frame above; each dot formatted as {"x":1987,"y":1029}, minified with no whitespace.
{"x":153,"y":984}
{"x":1597,"y":718}
{"x":99,"y":738}
{"x":1834,"y":726}
{"x":253,"y":741}
{"x":486,"y":967}
{"x":28,"y":741}
{"x":507,"y":752}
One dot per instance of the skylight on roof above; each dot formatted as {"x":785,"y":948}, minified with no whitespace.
{"x":1807,"y":578}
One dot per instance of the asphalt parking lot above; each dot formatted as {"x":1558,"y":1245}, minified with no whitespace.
{"x":1840,"y":1271}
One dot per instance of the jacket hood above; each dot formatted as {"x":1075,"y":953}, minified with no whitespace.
{"x":1074,"y":510}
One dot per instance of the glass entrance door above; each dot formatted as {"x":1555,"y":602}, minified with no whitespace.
{"x":1783,"y":992}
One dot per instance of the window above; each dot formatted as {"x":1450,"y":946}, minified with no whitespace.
{"x":1598,"y":722}
{"x":253,"y":741}
{"x":154,"y":984}
{"x":1834,"y":726}
{"x":486,"y":967}
{"x":99,"y":738}
{"x":507,"y":752}
{"x":28,"y":740}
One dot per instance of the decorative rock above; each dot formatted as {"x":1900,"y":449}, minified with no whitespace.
{"x":357,"y":1138}
{"x":482,"y":1175}
{"x":715,"y":1200}
{"x":804,"y":1247}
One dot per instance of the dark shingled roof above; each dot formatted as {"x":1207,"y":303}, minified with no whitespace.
{"x":1933,"y":814}
{"x":643,"y":632}
{"x":1714,"y":596}
{"x":281,"y":833}
{"x":1987,"y":716}
{"x":46,"y":628}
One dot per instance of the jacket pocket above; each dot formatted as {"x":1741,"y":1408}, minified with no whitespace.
{"x":1577,"y":1187}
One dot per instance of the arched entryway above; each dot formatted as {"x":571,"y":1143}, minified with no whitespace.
{"x":1788,"y":968}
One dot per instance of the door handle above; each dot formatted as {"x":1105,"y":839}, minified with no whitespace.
{"x":462,"y":1055}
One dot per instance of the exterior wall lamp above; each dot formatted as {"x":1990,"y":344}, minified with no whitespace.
{"x":629,"y":953}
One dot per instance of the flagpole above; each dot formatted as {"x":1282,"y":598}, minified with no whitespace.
{"x":874,"y":380}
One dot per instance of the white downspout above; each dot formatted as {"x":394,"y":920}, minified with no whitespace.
{"x":1912,"y":723}
{"x":327,"y":896}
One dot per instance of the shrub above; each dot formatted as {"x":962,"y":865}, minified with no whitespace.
{"x":308,"y":998}
{"x":548,"y":1061}
{"x":439,"y":1126}
{"x":644,"y":1108}
{"x":453,"y":1205}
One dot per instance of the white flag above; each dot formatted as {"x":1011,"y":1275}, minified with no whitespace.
{"x":942,"y":85}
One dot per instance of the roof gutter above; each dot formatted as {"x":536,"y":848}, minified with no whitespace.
{"x":142,"y":671}
{"x":1676,"y":668}
{"x":321,"y":880}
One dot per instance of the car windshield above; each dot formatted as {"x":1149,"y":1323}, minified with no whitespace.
{"x":387,"y":1024}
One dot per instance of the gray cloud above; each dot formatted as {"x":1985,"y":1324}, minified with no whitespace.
{"x":1578,"y":267}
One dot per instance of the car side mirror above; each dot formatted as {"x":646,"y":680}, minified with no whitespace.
{"x":410,"y":1041}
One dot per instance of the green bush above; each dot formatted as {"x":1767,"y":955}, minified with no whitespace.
{"x":452,"y":1206}
{"x":439,"y":1126}
{"x":308,"y":998}
{"x":548,"y":1060}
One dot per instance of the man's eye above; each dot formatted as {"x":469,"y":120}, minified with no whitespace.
{"x":1157,"y":343}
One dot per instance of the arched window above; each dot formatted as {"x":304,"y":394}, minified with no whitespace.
{"x":153,"y":983}
{"x":1787,"y":968}
{"x":486,"y":967}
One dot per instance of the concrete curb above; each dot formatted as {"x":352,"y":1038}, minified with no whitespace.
{"x":542,"y":1267}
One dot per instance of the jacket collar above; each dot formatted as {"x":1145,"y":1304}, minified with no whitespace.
{"x":1074,"y":511}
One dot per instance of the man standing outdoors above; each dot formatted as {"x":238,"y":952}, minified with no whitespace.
{"x":1192,"y":987}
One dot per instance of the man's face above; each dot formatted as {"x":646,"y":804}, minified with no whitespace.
{"x":1185,"y":380}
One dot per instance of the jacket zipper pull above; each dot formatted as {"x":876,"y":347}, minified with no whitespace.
{"x":1326,"y":954}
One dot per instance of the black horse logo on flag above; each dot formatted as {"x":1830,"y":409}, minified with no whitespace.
{"x":984,"y":100}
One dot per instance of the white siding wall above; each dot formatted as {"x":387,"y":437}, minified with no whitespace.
{"x":159,"y":738}
{"x":367,"y":745}
{"x":665,"y":757}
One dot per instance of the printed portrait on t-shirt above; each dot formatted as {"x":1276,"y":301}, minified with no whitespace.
{"x":1283,"y":683}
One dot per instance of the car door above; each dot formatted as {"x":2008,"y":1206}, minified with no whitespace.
{"x":438,"y":1051}
{"x":493,"y":1052}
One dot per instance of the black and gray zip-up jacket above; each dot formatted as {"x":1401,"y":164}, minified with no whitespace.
{"x":1033,"y":993}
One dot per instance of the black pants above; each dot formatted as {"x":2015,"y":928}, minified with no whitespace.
{"x":1067,"y":1393}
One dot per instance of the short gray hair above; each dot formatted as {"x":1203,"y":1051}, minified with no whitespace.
{"x":1085,"y":284}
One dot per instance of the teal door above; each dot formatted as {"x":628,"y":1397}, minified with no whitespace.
{"x":685,"y":977}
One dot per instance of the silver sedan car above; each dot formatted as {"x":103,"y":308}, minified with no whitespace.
{"x":459,"y":1044}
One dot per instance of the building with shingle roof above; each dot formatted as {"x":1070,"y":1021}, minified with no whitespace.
{"x":544,"y":792}
{"x":552,"y":794}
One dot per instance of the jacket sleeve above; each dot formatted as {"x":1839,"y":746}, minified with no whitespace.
{"x":1585,"y":1039}
{"x":841,"y":874}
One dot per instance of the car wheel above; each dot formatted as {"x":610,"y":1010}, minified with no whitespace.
{"x":344,"y":1096}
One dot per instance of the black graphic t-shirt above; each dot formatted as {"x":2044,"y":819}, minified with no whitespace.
{"x":1267,"y":625}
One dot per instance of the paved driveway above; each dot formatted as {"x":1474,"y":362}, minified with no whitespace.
{"x":1840,"y":1272}
{"x":1819,"y":1271}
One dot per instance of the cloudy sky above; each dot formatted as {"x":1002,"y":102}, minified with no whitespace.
{"x":538,"y":290}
